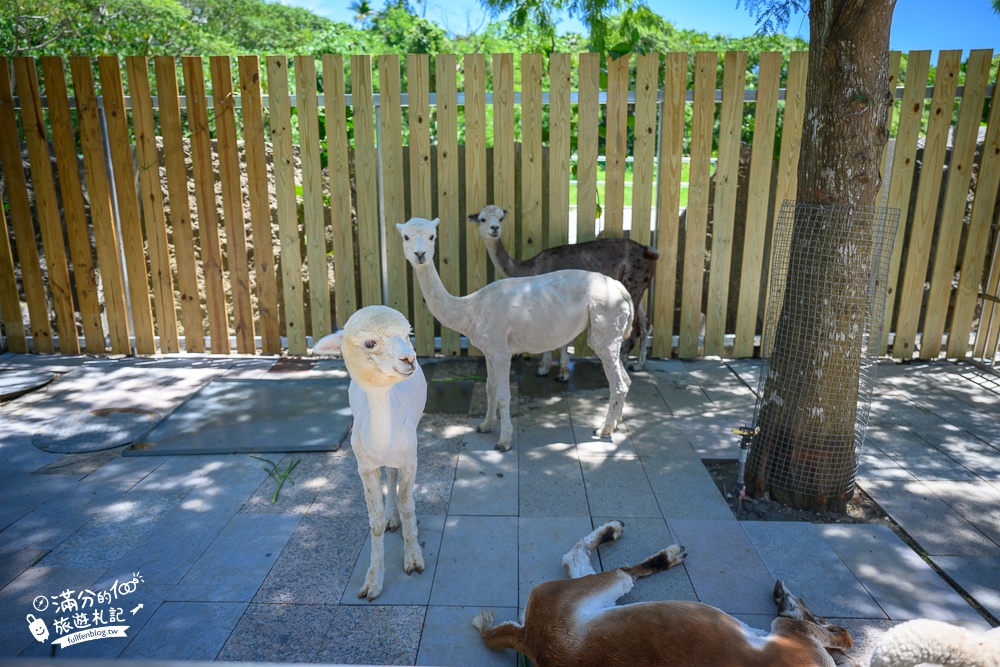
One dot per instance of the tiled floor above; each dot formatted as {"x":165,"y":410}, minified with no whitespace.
{"x":227,"y":575}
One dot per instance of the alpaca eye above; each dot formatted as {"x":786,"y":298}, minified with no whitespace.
{"x":370,"y":344}
{"x":432,"y":237}
{"x":405,"y":237}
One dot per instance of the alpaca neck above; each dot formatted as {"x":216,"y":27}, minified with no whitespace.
{"x":379,"y":424}
{"x":507,"y":265}
{"x":449,"y":310}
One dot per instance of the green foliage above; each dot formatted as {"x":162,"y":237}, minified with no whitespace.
{"x":277,"y":474}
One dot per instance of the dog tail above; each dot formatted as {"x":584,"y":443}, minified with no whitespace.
{"x":499,"y":636}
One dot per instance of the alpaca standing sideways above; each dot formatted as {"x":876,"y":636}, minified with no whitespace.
{"x":937,"y":643}
{"x":627,"y":261}
{"x":387,"y":395}
{"x":533,"y":315}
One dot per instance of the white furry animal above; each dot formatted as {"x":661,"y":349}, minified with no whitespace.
{"x":625,"y":260}
{"x":387,"y":395}
{"x":937,"y":643}
{"x":533,"y":315}
{"x":575,"y":622}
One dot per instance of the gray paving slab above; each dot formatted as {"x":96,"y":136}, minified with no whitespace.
{"x":373,"y":635}
{"x":47,"y":526}
{"x":125,"y":471}
{"x":185,"y":631}
{"x":550,"y":481}
{"x":94,"y":430}
{"x":885,"y":452}
{"x":28,"y":492}
{"x":978,"y":576}
{"x":797,"y":554}
{"x":900,"y":582}
{"x":279,"y":633}
{"x":490,"y":543}
{"x":300,"y":489}
{"x":343,"y":494}
{"x":656,"y":436}
{"x":237,"y":562}
{"x":399,"y":587}
{"x":711,"y":433}
{"x":724,"y":567}
{"x":684,"y":489}
{"x":13,"y":383}
{"x":448,"y":638}
{"x":541,"y":544}
{"x":939,"y":529}
{"x":15,"y":561}
{"x":618,"y":487}
{"x":977,"y":502}
{"x":972,"y":452}
{"x":485,"y":483}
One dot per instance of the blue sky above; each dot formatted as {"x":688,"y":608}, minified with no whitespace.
{"x":917,"y":24}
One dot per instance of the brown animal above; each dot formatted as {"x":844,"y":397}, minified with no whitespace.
{"x":576,"y":622}
{"x":629,"y":262}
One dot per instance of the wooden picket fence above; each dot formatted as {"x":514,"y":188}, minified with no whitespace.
{"x":152,"y":274}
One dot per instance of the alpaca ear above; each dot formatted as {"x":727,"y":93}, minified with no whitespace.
{"x":331,"y":344}
{"x":473,"y":217}
{"x":399,"y":227}
{"x":435,"y":222}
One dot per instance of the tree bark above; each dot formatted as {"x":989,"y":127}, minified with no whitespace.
{"x":808,"y":409}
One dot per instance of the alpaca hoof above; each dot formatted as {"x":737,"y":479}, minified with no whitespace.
{"x":392,"y":525}
{"x":485,"y":428}
{"x":603,"y":432}
{"x":502,"y":447}
{"x":370,"y":590}
{"x":563,"y":376}
{"x":542,"y":372}
{"x":413,"y":563}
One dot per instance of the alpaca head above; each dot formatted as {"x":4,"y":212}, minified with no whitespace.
{"x":418,"y":240}
{"x":375,"y":344}
{"x":489,"y":221}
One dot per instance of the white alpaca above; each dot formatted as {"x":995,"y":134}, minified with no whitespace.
{"x":533,"y":314}
{"x":387,"y":395}
{"x":938,"y":643}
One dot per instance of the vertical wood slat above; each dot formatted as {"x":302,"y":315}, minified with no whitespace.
{"x":49,"y":222}
{"x":475,"y":172}
{"x":788,"y":162}
{"x":928,"y":191}
{"x":421,"y":198}
{"x":251,"y":103}
{"x":179,"y":206}
{"x":366,"y":163}
{"x":312,"y":196}
{"x":450,"y":262}
{"x":765,"y":120}
{"x":588,"y":120}
{"x":883,"y":192}
{"x":560,"y":118}
{"x":976,"y":245}
{"x":393,"y":187}
{"x":668,"y":193}
{"x":202,"y":164}
{"x":24,"y":237}
{"x":616,"y":146}
{"x":345,"y":292}
{"x":71,"y":188}
{"x":726,"y":181}
{"x":154,"y":217}
{"x":904,"y":163}
{"x":989,"y":321}
{"x":503,"y":141}
{"x":123,"y":169}
{"x":532,"y":69}
{"x":286,"y":209}
{"x":644,"y":151}
{"x":99,"y":194}
{"x":697,"y":211}
{"x":959,"y":174}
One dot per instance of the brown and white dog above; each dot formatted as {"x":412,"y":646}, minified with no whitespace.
{"x":575,"y":622}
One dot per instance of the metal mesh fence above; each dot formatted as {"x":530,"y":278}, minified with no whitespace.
{"x":830,"y":301}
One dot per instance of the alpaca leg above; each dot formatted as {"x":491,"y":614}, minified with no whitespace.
{"x":490,"y":422}
{"x":391,"y":501}
{"x":502,"y":368}
{"x":642,"y":324}
{"x":563,"y":364}
{"x":618,"y":384}
{"x":413,"y":557}
{"x":544,"y":364}
{"x":576,"y":562}
{"x":372,"y":480}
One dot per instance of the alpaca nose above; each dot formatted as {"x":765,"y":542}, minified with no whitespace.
{"x":495,"y":230}
{"x":408,"y":358}
{"x":420,"y":256}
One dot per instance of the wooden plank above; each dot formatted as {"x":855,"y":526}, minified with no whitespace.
{"x":450,"y":261}
{"x":587,"y":141}
{"x":616,"y":146}
{"x":929,"y":189}
{"x":393,"y":184}
{"x":129,"y":222}
{"x":560,"y":124}
{"x":977,"y":240}
{"x":476,"y":259}
{"x":668,"y":203}
{"x":24,"y":235}
{"x":101,"y":216}
{"x":203,"y":168}
{"x":179,"y":215}
{"x":312,"y":196}
{"x":338,"y":163}
{"x":883,"y":192}
{"x":703,"y":116}
{"x":46,"y":204}
{"x":977,"y":76}
{"x":644,"y":150}
{"x":71,"y":188}
{"x":251,"y":102}
{"x":366,"y":174}
{"x":532,"y":239}
{"x":765,"y":120}
{"x":421,"y":199}
{"x":985,"y":347}
{"x":153,"y":216}
{"x":286,"y":206}
{"x":503,"y":142}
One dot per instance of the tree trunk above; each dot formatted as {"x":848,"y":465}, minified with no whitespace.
{"x":809,"y":405}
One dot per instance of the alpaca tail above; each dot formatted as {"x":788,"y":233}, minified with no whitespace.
{"x":935,"y":642}
{"x":505,"y":635}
